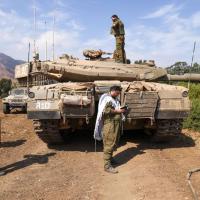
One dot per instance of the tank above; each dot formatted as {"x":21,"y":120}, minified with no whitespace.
{"x":17,"y":99}
{"x":64,"y":94}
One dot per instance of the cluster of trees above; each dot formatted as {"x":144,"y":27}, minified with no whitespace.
{"x":5,"y":86}
{"x":183,"y":67}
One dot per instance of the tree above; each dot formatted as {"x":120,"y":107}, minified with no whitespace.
{"x":182,"y":68}
{"x":178,"y":68}
{"x":195,"y":68}
{"x":5,"y":86}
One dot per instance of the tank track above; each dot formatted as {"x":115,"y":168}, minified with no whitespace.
{"x":167,"y":130}
{"x":47,"y":130}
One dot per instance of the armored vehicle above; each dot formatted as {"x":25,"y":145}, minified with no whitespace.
{"x":17,"y":99}
{"x":64,"y":94}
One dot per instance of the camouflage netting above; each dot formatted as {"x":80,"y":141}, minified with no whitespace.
{"x":147,"y":86}
{"x":93,"y":54}
{"x":73,"y":86}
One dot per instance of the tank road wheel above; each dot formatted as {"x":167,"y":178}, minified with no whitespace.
{"x":167,"y":130}
{"x":48,"y":131}
{"x":6,"y":108}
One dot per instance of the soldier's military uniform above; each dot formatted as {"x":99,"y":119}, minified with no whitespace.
{"x":111,"y":133}
{"x":118,"y":31}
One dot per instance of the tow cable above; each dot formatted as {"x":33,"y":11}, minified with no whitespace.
{"x":190,"y":183}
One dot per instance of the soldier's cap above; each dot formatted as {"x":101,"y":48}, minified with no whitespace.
{"x":114,"y":16}
{"x":115,"y":88}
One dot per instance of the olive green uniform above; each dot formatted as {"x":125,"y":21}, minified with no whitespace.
{"x":111,"y":133}
{"x":118,"y":31}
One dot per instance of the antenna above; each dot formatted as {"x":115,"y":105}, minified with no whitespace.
{"x":28,"y":70}
{"x":34,"y":42}
{"x":194,"y":48}
{"x":53,"y":44}
{"x":46,"y":41}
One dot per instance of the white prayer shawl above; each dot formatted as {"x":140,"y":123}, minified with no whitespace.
{"x":105,"y":98}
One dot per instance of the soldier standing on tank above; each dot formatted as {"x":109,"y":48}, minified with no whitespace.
{"x":118,"y":31}
{"x":112,"y":121}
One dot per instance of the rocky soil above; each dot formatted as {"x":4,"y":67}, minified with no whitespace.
{"x":74,"y":171}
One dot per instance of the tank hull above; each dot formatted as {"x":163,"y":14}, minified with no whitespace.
{"x":149,"y":104}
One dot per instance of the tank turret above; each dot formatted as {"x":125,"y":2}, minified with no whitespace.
{"x":68,"y":68}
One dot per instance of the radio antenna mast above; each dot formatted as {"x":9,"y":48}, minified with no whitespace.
{"x":28,"y":70}
{"x":46,"y":47}
{"x":34,"y":42}
{"x":193,"y":53}
{"x":53,"y":44}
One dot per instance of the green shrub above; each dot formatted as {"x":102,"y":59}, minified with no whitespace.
{"x":193,"y":120}
{"x":5,"y":86}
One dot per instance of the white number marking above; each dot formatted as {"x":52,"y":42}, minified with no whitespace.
{"x":42,"y":105}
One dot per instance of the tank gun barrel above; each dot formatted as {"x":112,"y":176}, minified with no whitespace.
{"x":185,"y":77}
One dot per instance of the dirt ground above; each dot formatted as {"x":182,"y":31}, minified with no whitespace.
{"x":74,"y":171}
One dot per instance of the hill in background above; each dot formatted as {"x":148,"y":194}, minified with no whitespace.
{"x":7,"y":66}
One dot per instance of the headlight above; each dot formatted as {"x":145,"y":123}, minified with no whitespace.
{"x":31,"y":94}
{"x":185,"y":94}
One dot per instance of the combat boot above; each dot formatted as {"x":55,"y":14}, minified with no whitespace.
{"x":2,"y":173}
{"x":114,"y":162}
{"x":110,"y":169}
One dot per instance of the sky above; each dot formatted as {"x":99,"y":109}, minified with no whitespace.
{"x":158,"y":30}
